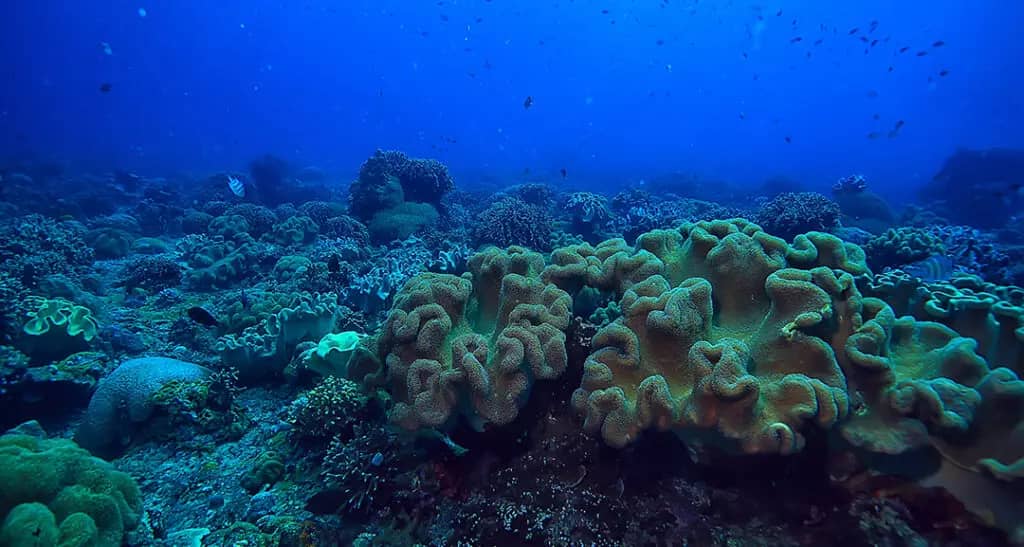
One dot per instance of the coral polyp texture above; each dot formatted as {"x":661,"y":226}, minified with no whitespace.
{"x":718,"y":336}
{"x":753,"y":379}
{"x":474,"y":345}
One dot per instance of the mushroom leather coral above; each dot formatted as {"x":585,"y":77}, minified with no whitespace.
{"x":474,"y":345}
{"x":755,"y":381}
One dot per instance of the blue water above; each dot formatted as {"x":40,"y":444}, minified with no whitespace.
{"x":649,"y":87}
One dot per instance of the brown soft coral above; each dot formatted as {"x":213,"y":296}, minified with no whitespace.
{"x":474,"y":345}
{"x":671,"y":363}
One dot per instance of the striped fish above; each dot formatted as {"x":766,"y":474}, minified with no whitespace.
{"x":933,"y":268}
{"x":237,"y":187}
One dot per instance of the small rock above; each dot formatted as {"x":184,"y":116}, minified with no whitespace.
{"x":260,"y":505}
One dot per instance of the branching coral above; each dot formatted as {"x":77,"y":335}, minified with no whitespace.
{"x":792,"y":213}
{"x":514,"y":222}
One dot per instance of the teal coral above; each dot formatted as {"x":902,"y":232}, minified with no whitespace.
{"x":296,"y":230}
{"x":123,"y":400}
{"x":333,"y":353}
{"x":220,"y":262}
{"x":900,"y":246}
{"x":56,"y":493}
{"x":992,"y":315}
{"x":265,"y":349}
{"x":401,"y":221}
{"x":58,"y":328}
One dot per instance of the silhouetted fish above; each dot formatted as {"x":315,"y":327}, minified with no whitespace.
{"x":933,"y":268}
{"x":564,"y":173}
{"x":203,"y":317}
{"x":105,"y":87}
{"x":528,"y":102}
{"x":334,"y":264}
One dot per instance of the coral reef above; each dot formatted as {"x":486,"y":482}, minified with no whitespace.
{"x":506,"y":365}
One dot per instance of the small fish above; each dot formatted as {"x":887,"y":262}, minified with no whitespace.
{"x":528,"y":102}
{"x":334,"y":264}
{"x":876,"y":117}
{"x":564,"y":172}
{"x":899,"y":125}
{"x":659,"y":42}
{"x":904,"y":49}
{"x":201,"y":316}
{"x":943,"y":72}
{"x":874,"y":135}
{"x":105,"y":87}
{"x":938,"y":43}
{"x":874,"y":42}
{"x":921,"y":53}
{"x":890,"y":68}
{"x":795,"y":39}
{"x":236,"y":186}
{"x":872,"y":93}
{"x":853,"y":31}
{"x":818,"y":42}
{"x":743,"y":116}
{"x":788,"y":140}
{"x":444,"y":17}
{"x":778,"y":13}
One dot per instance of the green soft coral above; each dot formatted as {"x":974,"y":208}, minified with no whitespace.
{"x":56,"y":493}
{"x":58,"y":328}
{"x":265,"y":349}
{"x":474,"y":345}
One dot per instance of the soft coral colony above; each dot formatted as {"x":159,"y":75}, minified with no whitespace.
{"x":354,"y":346}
